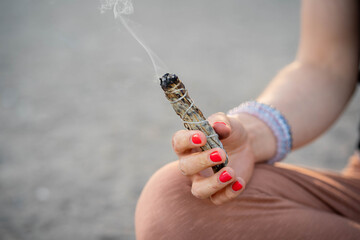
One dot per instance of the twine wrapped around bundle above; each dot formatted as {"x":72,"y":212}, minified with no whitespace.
{"x":191,"y":115}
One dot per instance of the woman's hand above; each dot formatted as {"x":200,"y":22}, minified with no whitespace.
{"x":230,"y":181}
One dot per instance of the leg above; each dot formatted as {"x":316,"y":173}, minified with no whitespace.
{"x":280,"y":202}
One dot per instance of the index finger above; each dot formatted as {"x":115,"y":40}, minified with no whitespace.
{"x":185,"y":140}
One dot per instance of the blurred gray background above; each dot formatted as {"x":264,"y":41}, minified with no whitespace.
{"x":83,"y":123}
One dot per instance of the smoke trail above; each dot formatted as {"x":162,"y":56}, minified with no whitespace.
{"x":125,"y":7}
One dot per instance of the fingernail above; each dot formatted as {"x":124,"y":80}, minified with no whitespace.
{"x":215,"y":156}
{"x":225,"y":176}
{"x":220,"y":123}
{"x":237,"y":186}
{"x":196,"y":139}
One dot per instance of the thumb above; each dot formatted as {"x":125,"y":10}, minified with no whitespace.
{"x":221,"y":124}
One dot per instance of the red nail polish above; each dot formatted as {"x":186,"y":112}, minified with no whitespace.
{"x":196,"y":139}
{"x":215,"y":156}
{"x":237,"y":186}
{"x":220,"y":123}
{"x":225,"y":176}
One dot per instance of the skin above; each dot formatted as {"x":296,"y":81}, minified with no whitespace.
{"x":311,"y":92}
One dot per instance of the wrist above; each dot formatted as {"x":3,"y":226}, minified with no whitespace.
{"x":260,"y":136}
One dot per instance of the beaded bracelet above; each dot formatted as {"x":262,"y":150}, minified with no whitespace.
{"x":274,"y":120}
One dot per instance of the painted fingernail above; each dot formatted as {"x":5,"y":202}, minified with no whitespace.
{"x":237,"y":186}
{"x":220,"y":123}
{"x":215,"y":156}
{"x":225,"y":176}
{"x":196,"y":139}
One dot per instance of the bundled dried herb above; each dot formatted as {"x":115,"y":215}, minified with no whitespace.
{"x":191,"y":115}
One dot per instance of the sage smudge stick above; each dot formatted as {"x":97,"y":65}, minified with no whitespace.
{"x":190,"y":114}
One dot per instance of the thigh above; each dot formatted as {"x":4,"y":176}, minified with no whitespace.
{"x":280,"y":202}
{"x":319,"y":190}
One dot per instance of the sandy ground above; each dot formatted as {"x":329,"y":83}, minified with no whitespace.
{"x":83,"y":122}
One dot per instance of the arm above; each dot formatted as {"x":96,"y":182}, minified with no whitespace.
{"x":312,"y":91}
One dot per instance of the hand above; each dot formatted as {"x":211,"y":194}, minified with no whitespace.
{"x":230,"y":181}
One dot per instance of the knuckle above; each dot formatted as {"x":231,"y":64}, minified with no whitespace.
{"x":176,"y":148}
{"x":186,"y":165}
{"x":173,"y":140}
{"x":204,"y":162}
{"x":180,"y":140}
{"x":173,"y":143}
{"x":231,"y":195}
{"x":176,"y":141}
{"x":216,"y":201}
{"x":181,"y":167}
{"x":195,"y":193}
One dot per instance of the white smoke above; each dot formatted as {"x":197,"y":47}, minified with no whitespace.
{"x":125,"y":7}
{"x":119,"y":7}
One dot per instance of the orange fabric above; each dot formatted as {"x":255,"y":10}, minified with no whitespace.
{"x":280,"y":202}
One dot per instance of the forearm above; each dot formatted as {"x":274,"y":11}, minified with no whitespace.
{"x":310,"y":97}
{"x":312,"y":91}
